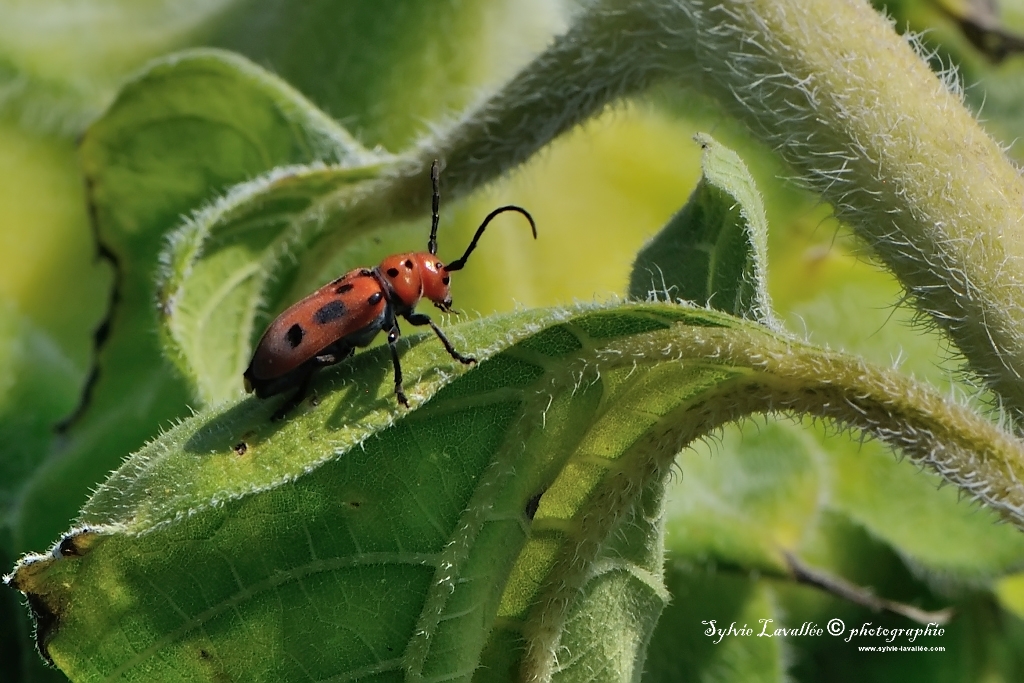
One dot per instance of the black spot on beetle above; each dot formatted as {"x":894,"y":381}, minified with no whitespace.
{"x":329,"y":312}
{"x":347,"y":287}
{"x":240,"y":448}
{"x":446,"y":279}
{"x":375,"y":298}
{"x":532,"y":505}
{"x":392,"y":272}
{"x":294,"y":335}
{"x":408,"y":263}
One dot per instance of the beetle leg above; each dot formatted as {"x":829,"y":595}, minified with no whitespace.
{"x":393,"y":334}
{"x":298,"y":397}
{"x":423,"y":319}
{"x":323,"y":360}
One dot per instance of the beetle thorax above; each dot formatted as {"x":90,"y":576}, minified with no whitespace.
{"x":414,"y":276}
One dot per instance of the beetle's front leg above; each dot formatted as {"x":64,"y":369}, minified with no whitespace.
{"x":393,"y":335}
{"x":423,"y":319}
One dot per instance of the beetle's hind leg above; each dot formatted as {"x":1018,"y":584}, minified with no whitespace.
{"x":315,"y":363}
{"x":296,"y":398}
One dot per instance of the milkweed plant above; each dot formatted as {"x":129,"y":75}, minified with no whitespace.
{"x":775,"y":307}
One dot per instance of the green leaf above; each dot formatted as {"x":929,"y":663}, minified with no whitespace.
{"x":512,"y":512}
{"x":693,"y":641}
{"x":56,"y":76}
{"x":37,"y":384}
{"x":623,"y":599}
{"x":611,"y":620}
{"x":980,"y":643}
{"x":436,"y":55}
{"x":184,"y":131}
{"x":714,"y":251}
{"x":762,"y":489}
{"x":53,"y":292}
{"x":1010,"y":591}
{"x":891,"y":499}
{"x":386,"y":67}
{"x":747,"y":500}
{"x":48,"y":266}
{"x":759,"y":492}
{"x":934,"y":531}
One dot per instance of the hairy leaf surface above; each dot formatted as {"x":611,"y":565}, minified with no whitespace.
{"x":181,"y":133}
{"x":512,"y":514}
{"x":714,"y":251}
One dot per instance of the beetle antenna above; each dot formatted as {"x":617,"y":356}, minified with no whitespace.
{"x":435,"y":204}
{"x":459,"y":263}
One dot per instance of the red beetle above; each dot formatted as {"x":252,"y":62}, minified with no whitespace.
{"x":328,"y":325}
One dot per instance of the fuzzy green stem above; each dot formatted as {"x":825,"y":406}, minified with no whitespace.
{"x":860,"y":116}
{"x":960,"y":445}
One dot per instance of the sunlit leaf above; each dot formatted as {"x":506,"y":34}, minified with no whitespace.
{"x":714,"y":251}
{"x":512,"y":512}
{"x":180,"y":134}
